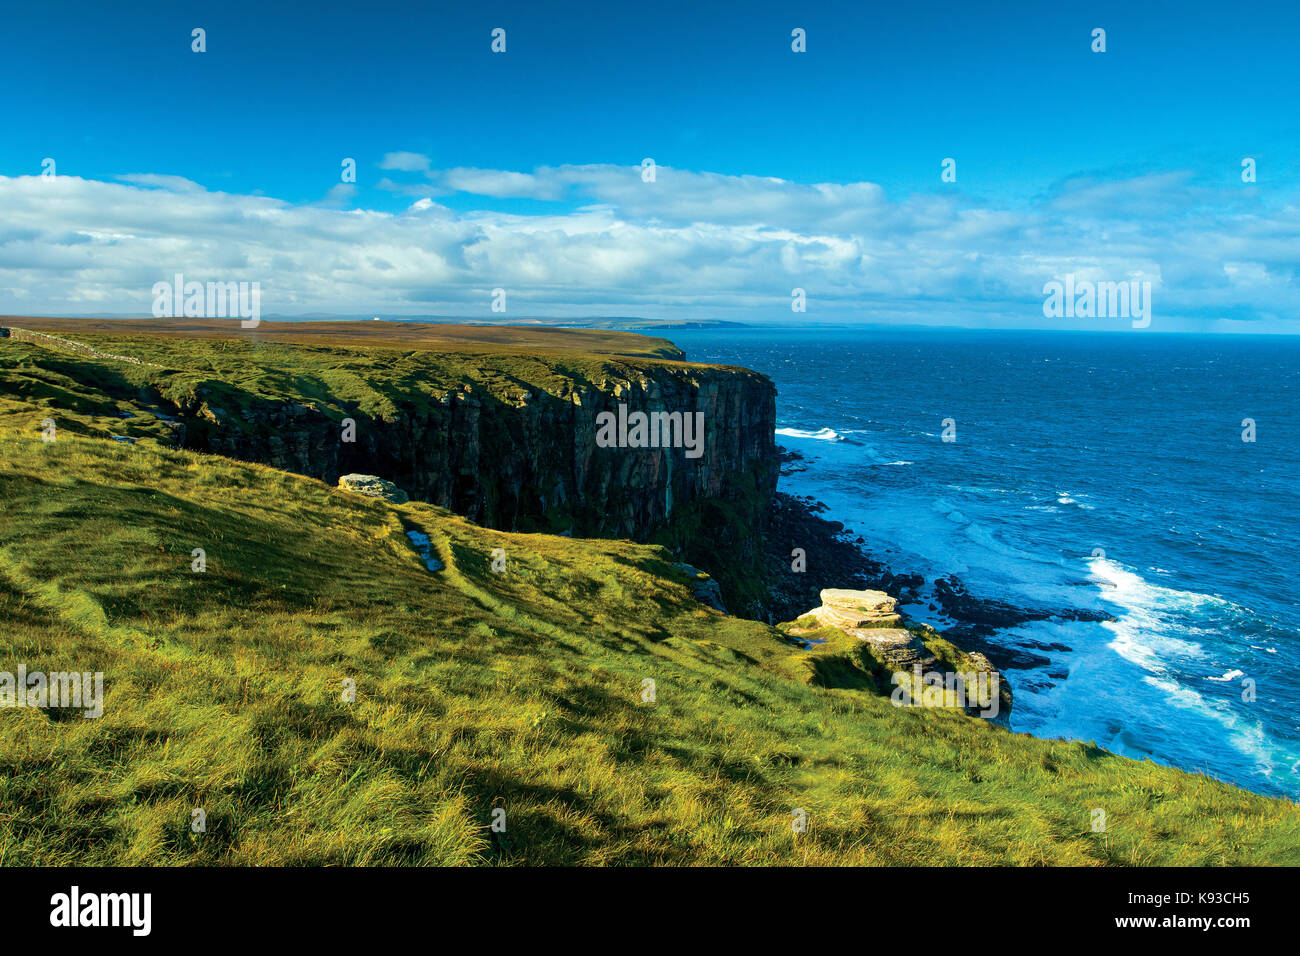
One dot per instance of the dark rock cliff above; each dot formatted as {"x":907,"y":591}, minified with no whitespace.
{"x":529,"y":460}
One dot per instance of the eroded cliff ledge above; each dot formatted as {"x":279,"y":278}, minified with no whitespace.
{"x":526,"y":459}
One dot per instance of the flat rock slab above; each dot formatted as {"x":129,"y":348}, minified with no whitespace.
{"x":849,"y":609}
{"x":883,"y":636}
{"x":862,"y":600}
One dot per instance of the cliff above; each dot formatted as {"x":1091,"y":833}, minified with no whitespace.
{"x":528,"y":461}
{"x":511,"y":441}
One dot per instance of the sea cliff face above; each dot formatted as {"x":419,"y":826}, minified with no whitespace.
{"x":529,"y":460}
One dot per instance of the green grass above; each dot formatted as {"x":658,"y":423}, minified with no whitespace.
{"x":229,"y":388}
{"x":331,"y":374}
{"x":236,"y":373}
{"x":345,"y":368}
{"x":475,"y":690}
{"x":448,"y":339}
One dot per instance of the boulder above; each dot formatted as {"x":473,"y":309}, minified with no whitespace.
{"x":849,"y":609}
{"x":372,"y":486}
{"x":870,"y":616}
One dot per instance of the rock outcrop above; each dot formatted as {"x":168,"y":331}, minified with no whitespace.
{"x":871,"y":616}
{"x":372,"y":486}
{"x":919,"y":651}
{"x":854,"y":610}
{"x":703,"y":587}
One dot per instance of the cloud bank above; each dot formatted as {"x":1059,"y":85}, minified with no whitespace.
{"x":599,"y":239}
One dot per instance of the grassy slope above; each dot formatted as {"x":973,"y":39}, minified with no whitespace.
{"x":474,"y":689}
{"x":447,"y":339}
{"x":330,"y":373}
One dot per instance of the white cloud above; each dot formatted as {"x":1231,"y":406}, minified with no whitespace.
{"x":687,"y":245}
{"x":173,"y":183}
{"x":501,"y":184}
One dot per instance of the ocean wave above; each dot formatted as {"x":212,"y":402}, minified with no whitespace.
{"x":1064,"y":498}
{"x":822,"y":434}
{"x":1230,"y":675}
{"x":1137,"y":591}
{"x":981,"y":489}
{"x":950,"y":511}
{"x":1141,"y":634}
{"x":1247,"y":737}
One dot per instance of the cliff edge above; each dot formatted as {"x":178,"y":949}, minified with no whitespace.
{"x":575,"y":432}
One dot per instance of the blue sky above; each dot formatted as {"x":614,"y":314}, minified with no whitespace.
{"x":468,"y":160}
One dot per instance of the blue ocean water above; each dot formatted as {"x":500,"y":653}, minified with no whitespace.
{"x":1090,"y":470}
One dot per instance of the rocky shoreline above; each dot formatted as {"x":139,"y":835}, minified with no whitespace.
{"x":912,"y":659}
{"x":836,"y":557}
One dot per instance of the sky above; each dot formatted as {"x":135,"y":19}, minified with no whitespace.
{"x":775,"y":170}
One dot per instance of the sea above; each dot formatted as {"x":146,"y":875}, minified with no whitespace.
{"x":1092,"y":471}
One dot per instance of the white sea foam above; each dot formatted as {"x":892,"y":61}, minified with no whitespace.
{"x":1065,"y":498}
{"x":822,"y":434}
{"x":1139,"y":634}
{"x":1129,"y":712}
{"x":1246,"y":736}
{"x":1136,"y":589}
{"x":1230,"y":675}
